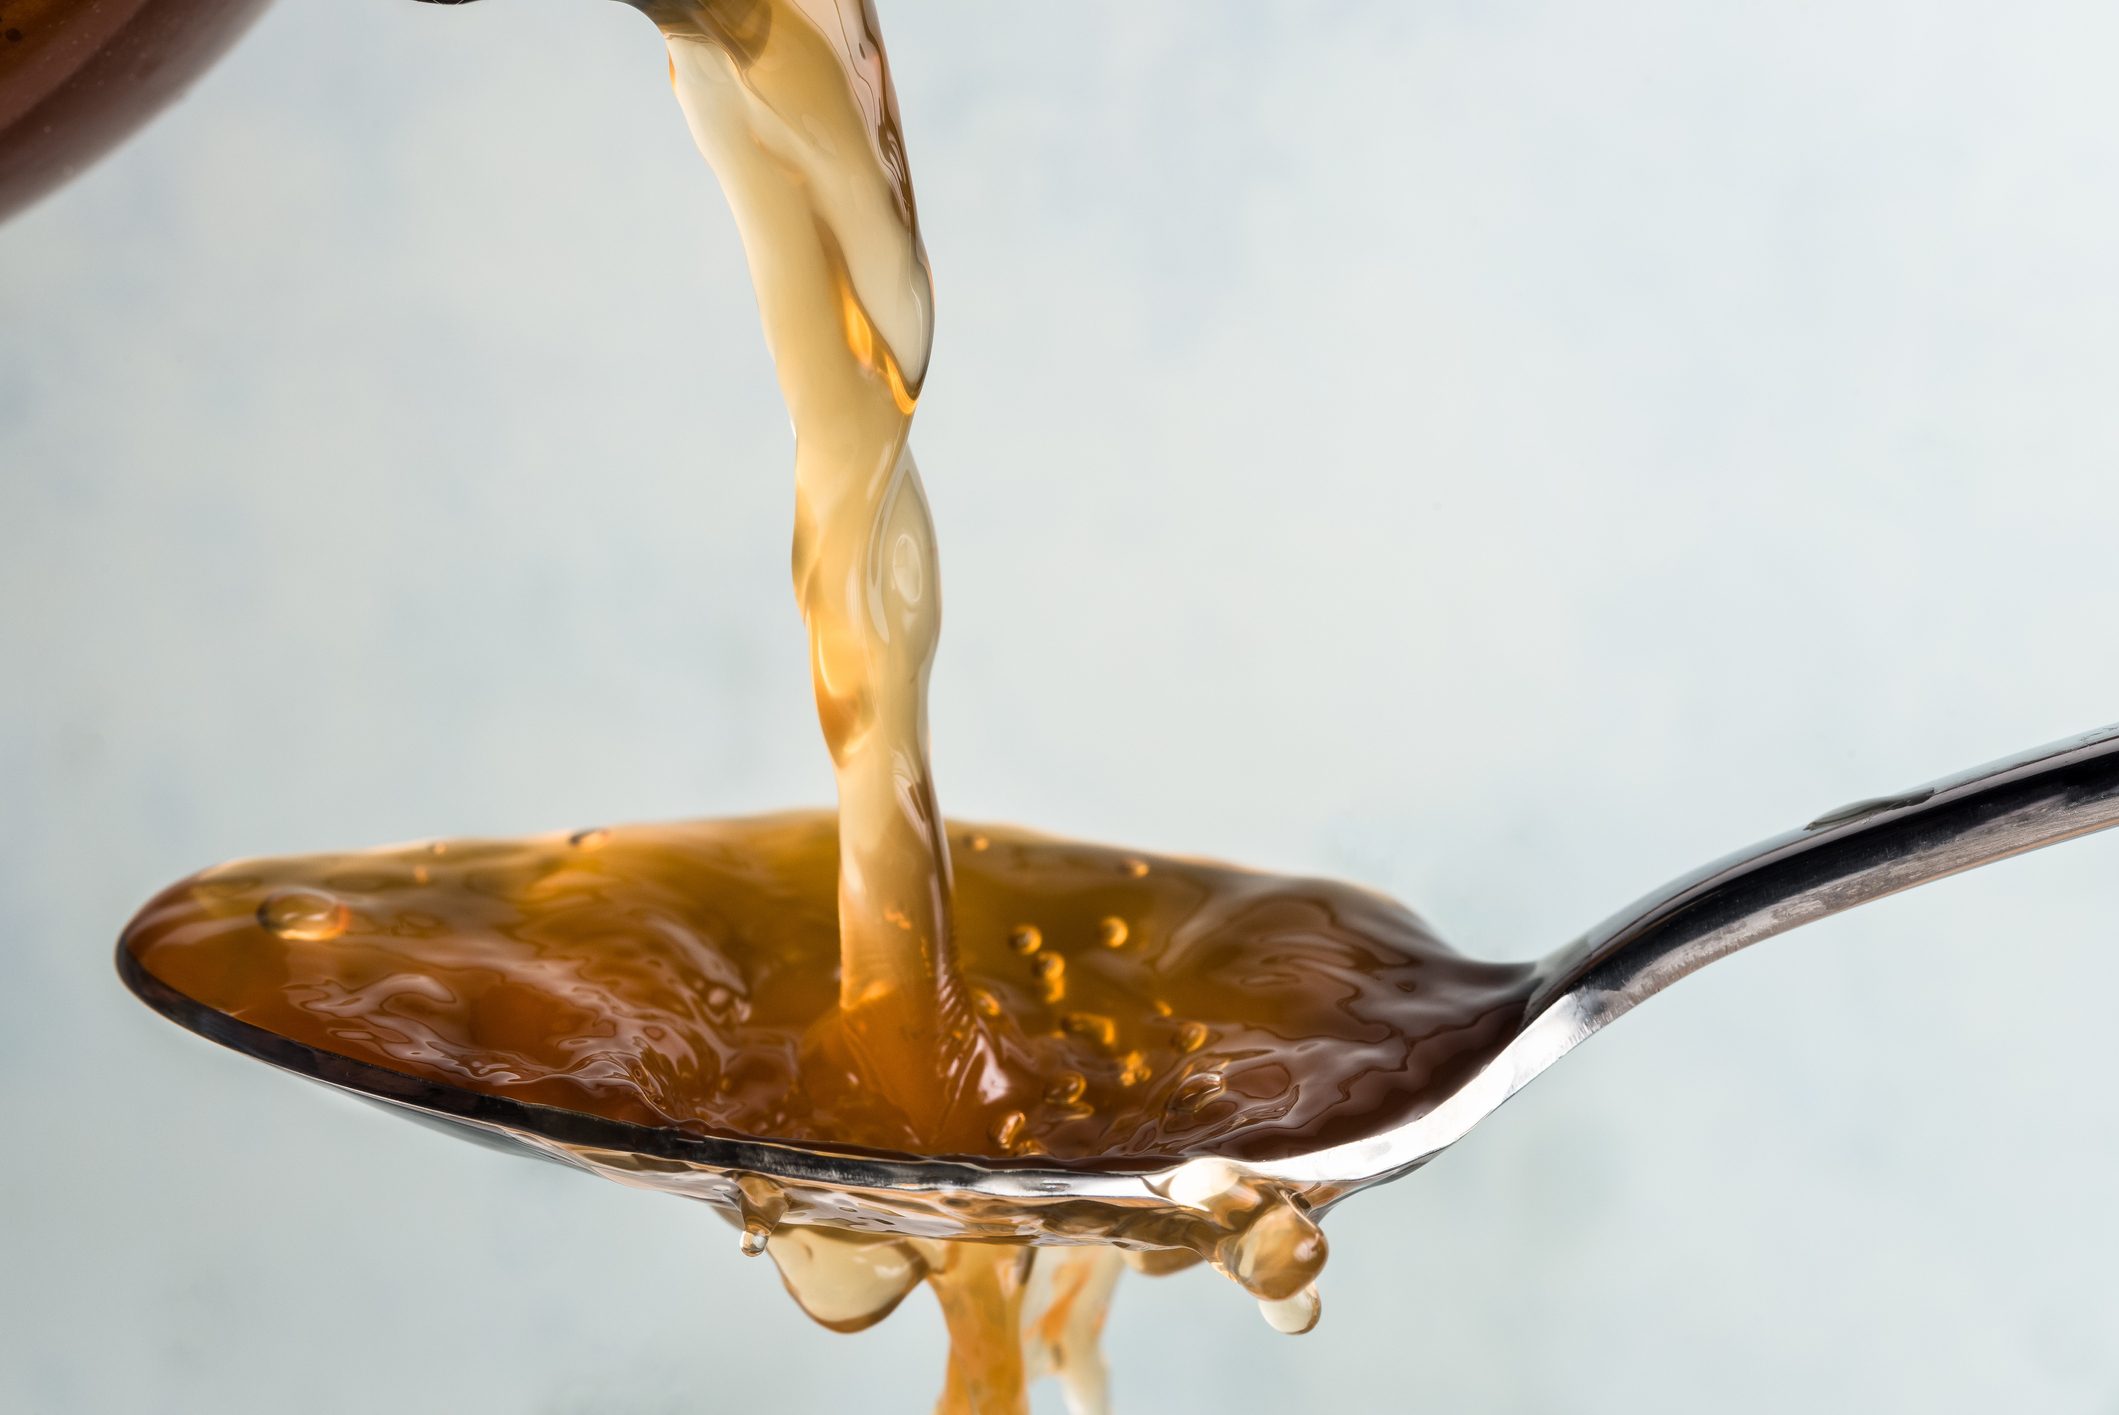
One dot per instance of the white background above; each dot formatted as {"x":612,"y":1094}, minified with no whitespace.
{"x":1503,"y":452}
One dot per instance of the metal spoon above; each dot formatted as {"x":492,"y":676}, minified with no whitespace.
{"x":1843,"y":858}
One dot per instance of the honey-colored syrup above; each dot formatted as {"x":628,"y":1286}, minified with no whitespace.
{"x":791,"y":102}
{"x":1144,"y":1009}
{"x":1149,"y":1010}
{"x":868,"y":979}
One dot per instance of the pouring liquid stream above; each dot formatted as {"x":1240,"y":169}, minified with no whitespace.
{"x":1181,"y":1057}
{"x":840,"y":984}
{"x":832,"y":980}
{"x":792,"y":105}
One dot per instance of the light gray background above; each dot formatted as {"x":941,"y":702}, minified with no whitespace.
{"x":1504,"y":452}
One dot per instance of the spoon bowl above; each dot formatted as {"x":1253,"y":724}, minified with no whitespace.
{"x":1843,"y":858}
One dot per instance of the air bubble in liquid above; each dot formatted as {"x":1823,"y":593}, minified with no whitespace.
{"x":1051,"y":970}
{"x":306,"y":915}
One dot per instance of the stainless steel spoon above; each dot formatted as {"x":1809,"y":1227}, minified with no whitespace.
{"x":1843,"y":858}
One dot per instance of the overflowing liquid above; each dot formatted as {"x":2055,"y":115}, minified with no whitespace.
{"x":870,"y":980}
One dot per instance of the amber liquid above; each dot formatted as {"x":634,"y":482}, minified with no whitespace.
{"x":791,"y":102}
{"x":1145,"y":1009}
{"x":868,"y":979}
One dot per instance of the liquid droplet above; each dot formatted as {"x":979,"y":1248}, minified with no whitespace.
{"x":1191,"y":1037}
{"x":846,"y":1281}
{"x":987,"y":1004}
{"x":763,"y":1204}
{"x":1026,"y":939}
{"x":977,"y":842}
{"x":594,"y":838}
{"x":1136,"y":867}
{"x":1277,"y":1254}
{"x":1112,"y":932}
{"x":1292,"y":1316}
{"x":307,"y":915}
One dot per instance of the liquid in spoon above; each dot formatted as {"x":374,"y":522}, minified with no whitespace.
{"x":682,"y":977}
{"x":837,"y":980}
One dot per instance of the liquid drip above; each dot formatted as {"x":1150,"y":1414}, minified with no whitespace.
{"x":1015,"y":1314}
{"x":762,"y":1204}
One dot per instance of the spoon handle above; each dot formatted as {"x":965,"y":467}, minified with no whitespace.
{"x":1843,"y":858}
